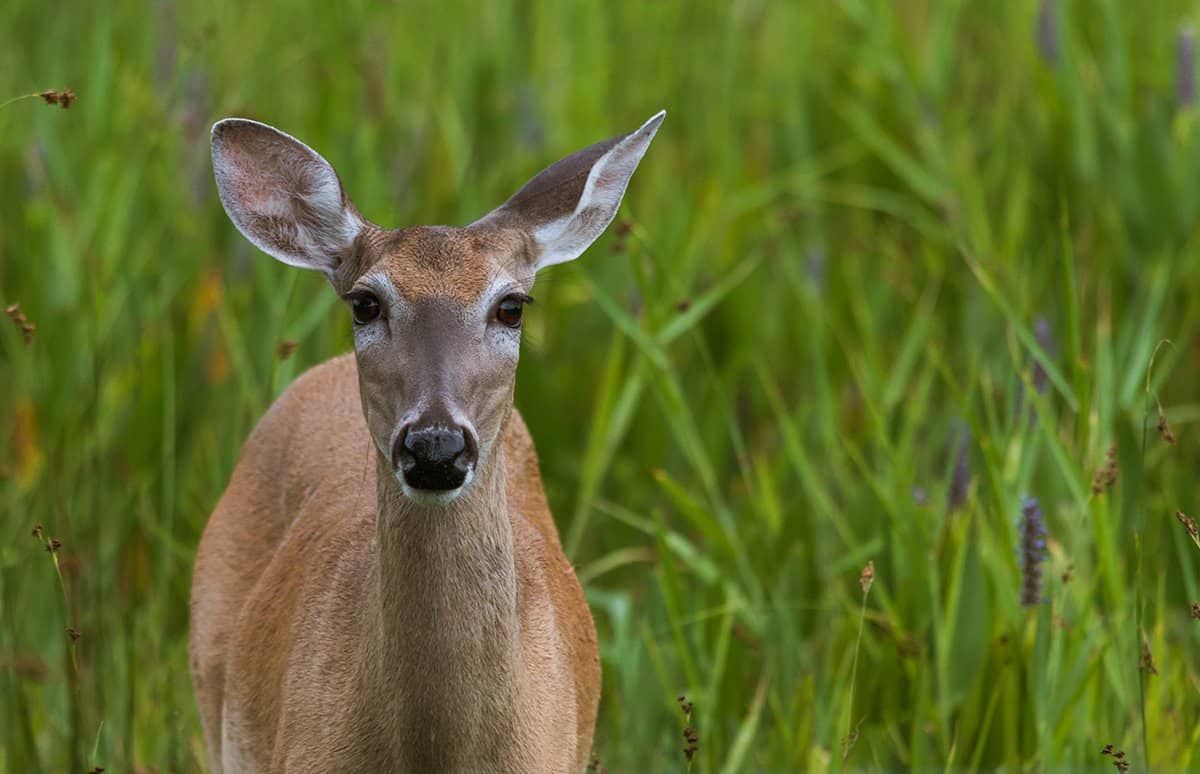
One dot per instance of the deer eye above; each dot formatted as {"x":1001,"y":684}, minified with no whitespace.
{"x":508,"y":312}
{"x":365,"y":308}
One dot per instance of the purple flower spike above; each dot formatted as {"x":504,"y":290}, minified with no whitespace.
{"x":1047,"y":31}
{"x":1032,"y":551}
{"x":960,"y":476}
{"x":1185,"y":69}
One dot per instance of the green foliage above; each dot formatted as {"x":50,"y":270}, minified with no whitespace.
{"x":841,"y":244}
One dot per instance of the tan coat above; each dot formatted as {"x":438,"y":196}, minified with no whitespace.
{"x":381,"y":587}
{"x":289,"y":672}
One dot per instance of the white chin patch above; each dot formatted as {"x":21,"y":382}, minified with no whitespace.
{"x":429,"y":497}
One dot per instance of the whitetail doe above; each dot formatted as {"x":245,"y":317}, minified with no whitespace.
{"x":381,"y":587}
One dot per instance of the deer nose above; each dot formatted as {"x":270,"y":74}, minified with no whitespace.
{"x":434,"y":457}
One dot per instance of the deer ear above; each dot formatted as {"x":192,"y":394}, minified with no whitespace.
{"x":282,"y":195}
{"x":570,"y":203}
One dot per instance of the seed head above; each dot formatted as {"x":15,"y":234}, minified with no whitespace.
{"x":622,"y":230}
{"x":690,"y":737}
{"x":1146,"y":660}
{"x":1190,"y":525}
{"x":1118,"y":757}
{"x":1107,"y":475}
{"x":1164,"y":429}
{"x":62,"y":98}
{"x":18,"y":317}
{"x":850,"y":740}
{"x":867,"y":577}
{"x":285,"y":349}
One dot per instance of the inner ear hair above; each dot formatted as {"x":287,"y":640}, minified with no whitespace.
{"x":283,"y":196}
{"x":566,"y":206}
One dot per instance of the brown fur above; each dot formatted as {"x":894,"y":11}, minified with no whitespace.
{"x":439,"y":261}
{"x":286,"y":573}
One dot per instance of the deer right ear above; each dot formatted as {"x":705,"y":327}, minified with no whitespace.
{"x":282,"y":195}
{"x":566,"y":206}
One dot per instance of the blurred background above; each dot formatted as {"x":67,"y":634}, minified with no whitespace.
{"x":889,"y":269}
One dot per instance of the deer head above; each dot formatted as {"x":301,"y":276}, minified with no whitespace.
{"x":437,"y":309}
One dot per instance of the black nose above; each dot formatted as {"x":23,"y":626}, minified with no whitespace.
{"x":435,"y":457}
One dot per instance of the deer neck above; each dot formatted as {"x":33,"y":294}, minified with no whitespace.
{"x":447,"y":658}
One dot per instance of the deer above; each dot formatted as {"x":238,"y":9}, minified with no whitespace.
{"x":381,"y":586}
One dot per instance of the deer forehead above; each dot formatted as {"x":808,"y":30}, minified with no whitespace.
{"x":454,"y":264}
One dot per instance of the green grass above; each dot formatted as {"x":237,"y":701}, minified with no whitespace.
{"x":868,"y":206}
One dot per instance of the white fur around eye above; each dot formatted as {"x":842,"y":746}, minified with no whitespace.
{"x":500,"y":338}
{"x":367,"y":336}
{"x":504,"y":341}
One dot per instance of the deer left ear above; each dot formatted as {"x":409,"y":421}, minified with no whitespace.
{"x":566,"y":206}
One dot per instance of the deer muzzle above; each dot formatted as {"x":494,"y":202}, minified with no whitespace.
{"x":435,"y":457}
